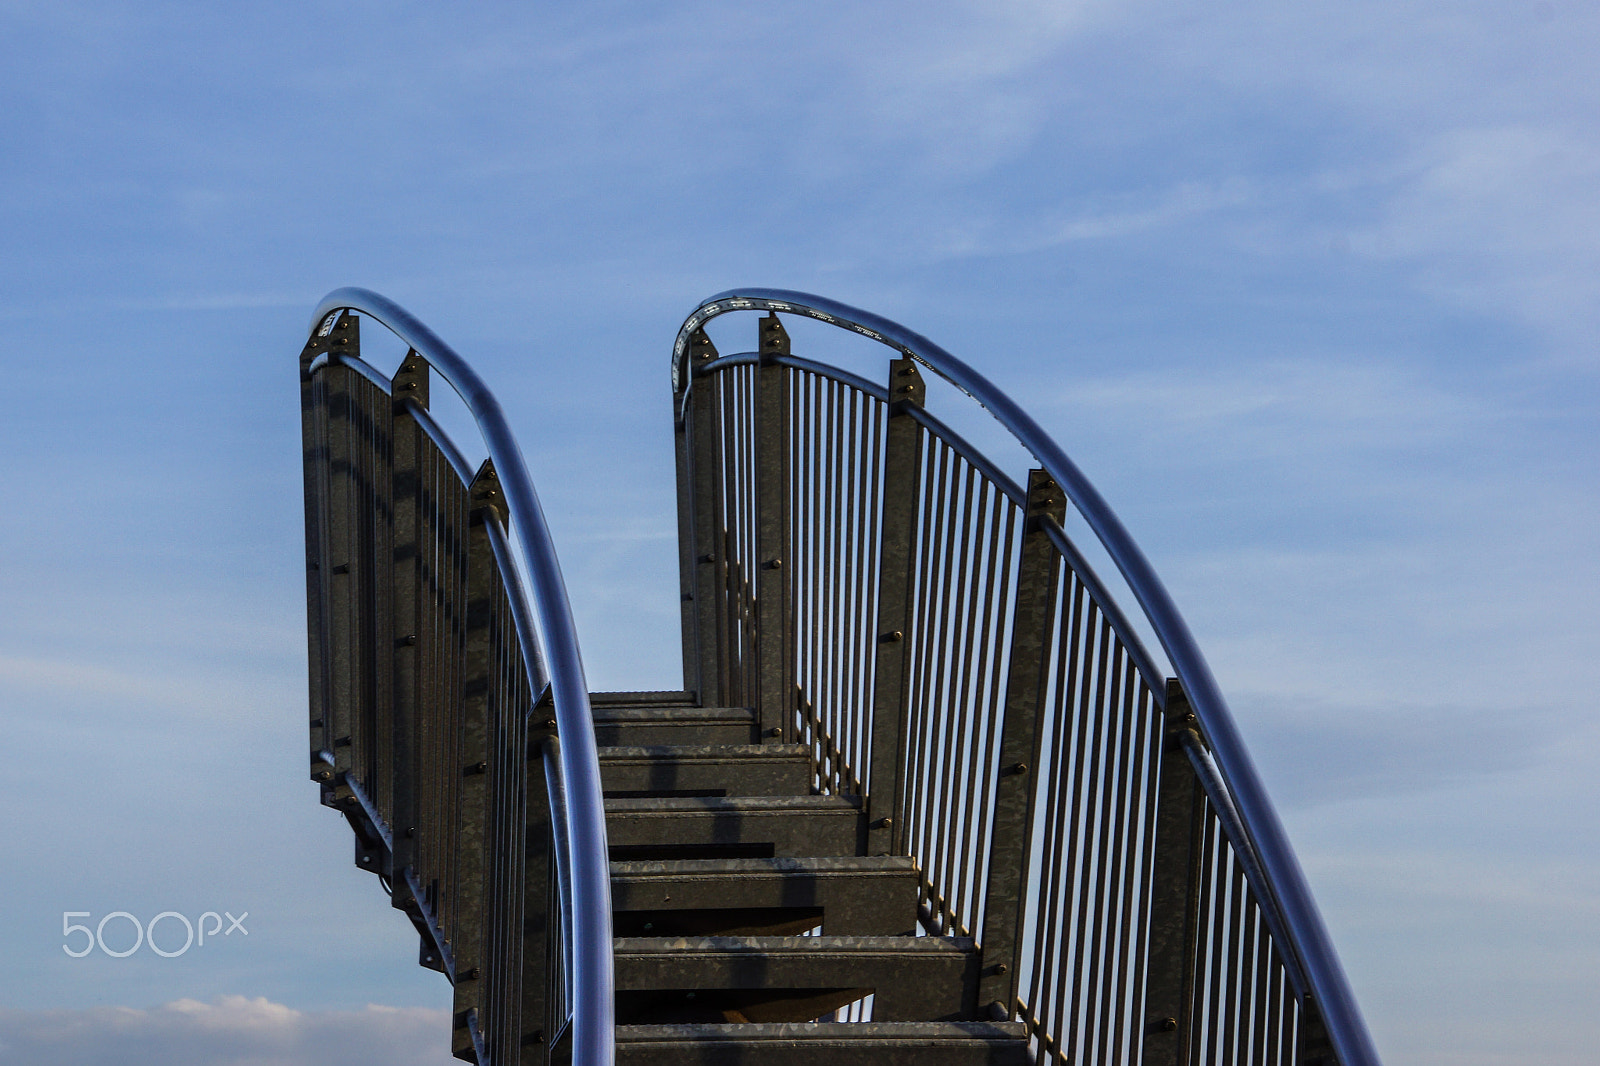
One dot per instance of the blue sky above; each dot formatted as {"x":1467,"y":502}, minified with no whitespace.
{"x":1309,"y":292}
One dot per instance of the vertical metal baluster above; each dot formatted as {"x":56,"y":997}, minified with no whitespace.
{"x":1234,"y":960}
{"x":959,"y":716}
{"x":994,"y":647}
{"x":1094,"y":681}
{"x":1105,"y":855}
{"x":1274,"y":1042}
{"x":930,"y":635}
{"x":1060,"y":836}
{"x":837,"y":535}
{"x":1078,"y":696}
{"x":977,"y":724}
{"x":1124,"y":851}
{"x":1019,"y":748}
{"x":822,"y":755}
{"x":1216,"y":944}
{"x":953,"y":619}
{"x":1205,"y":928}
{"x":988,"y":691}
{"x":804,"y":436}
{"x":1040,"y":937}
{"x":942,"y":741}
{"x":1263,"y":981}
{"x":859,"y":576}
{"x":1294,"y":1030}
{"x":1150,"y":797}
{"x":871,"y":492}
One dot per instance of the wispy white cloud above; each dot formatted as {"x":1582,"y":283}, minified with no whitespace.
{"x":229,"y":1031}
{"x":1502,"y":218}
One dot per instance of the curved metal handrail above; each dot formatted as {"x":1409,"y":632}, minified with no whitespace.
{"x":589,"y":951}
{"x":1286,"y":890}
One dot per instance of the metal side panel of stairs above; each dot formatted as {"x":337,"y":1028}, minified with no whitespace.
{"x":747,"y":918}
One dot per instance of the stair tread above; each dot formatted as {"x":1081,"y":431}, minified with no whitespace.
{"x":714,"y":753}
{"x":714,"y":804}
{"x":661,"y":696}
{"x":852,"y":1033}
{"x":605,"y":713}
{"x":794,"y":945}
{"x":691,"y":869}
{"x":844,"y":1043}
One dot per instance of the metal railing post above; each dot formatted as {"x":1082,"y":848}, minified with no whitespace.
{"x":1174,"y":892}
{"x":775,"y":692}
{"x":314,"y":449}
{"x":901,"y":491}
{"x":338,"y":551}
{"x":1015,"y":789}
{"x":539,"y":900}
{"x":476,"y":765}
{"x":412,"y":506}
{"x":699,"y":455}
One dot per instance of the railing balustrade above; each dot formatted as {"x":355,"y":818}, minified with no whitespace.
{"x":440,"y":684}
{"x":883,"y":593}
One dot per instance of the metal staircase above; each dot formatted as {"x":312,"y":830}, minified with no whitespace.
{"x":925,"y":796}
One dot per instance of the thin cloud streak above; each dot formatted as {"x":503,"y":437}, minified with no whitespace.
{"x":229,"y":1031}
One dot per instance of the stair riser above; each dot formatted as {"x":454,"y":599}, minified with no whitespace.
{"x":706,"y":777}
{"x":789,"y":833}
{"x":878,"y":1053}
{"x":612,"y":733}
{"x":871,"y":1044}
{"x":909,"y":988}
{"x":852,"y":903}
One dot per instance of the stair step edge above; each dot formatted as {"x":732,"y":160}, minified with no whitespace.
{"x":838,"y":805}
{"x":853,"y":1033}
{"x":658,"y":715}
{"x":794,"y":945}
{"x":652,"y":696}
{"x":711,"y":753}
{"x":843,"y":864}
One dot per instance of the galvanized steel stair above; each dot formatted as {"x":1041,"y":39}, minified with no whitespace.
{"x":747,"y":914}
{"x":855,"y":576}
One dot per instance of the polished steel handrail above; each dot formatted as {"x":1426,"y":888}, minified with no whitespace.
{"x":1284,"y":892}
{"x":589,"y":951}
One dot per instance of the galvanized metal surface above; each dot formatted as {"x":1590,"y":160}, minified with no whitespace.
{"x":993,"y":749}
{"x":1278,"y":901}
{"x":471,"y":812}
